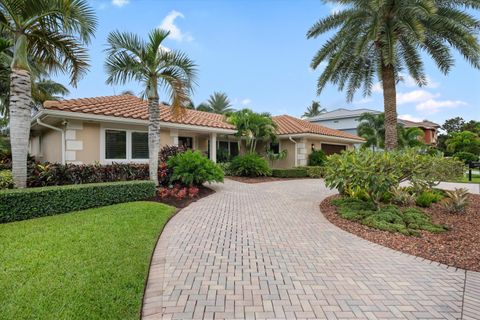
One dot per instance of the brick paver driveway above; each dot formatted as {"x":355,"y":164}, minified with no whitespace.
{"x":265,"y":251}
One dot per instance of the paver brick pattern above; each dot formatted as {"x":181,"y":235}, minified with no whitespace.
{"x":264,"y":251}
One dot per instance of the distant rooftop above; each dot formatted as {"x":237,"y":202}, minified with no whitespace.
{"x":342,"y":113}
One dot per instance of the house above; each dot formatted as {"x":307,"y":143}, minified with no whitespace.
{"x":347,"y":120}
{"x":115,"y":129}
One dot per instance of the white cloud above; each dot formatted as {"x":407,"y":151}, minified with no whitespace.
{"x":433,"y":106}
{"x":415,"y":96}
{"x":409,"y":82}
{"x":377,"y":88}
{"x":246,"y":101}
{"x":409,"y":118}
{"x":168,"y":23}
{"x":120,"y":3}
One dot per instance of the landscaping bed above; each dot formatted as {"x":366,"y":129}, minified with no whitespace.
{"x":458,"y":247}
{"x":89,"y":264}
{"x":185,"y":201}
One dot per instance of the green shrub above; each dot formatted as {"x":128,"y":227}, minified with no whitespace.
{"x":6,"y":179}
{"x":226,"y":167}
{"x":426,"y":198}
{"x":290,"y":173}
{"x":377,"y":173}
{"x":193,"y":168}
{"x":317,"y":158}
{"x":388,"y":218}
{"x":402,"y":196}
{"x":314,"y":171}
{"x":250,"y":165}
{"x":22,"y":204}
{"x":466,"y":157}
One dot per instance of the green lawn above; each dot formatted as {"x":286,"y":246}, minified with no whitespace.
{"x":475,"y":178}
{"x":90,"y":264}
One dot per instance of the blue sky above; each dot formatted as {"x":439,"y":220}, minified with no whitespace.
{"x":257,"y":52}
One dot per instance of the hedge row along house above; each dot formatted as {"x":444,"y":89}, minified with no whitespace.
{"x":115,"y":129}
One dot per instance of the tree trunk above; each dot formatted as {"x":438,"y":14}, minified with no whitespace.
{"x":153,"y":136}
{"x":20,"y":117}
{"x":390,"y":106}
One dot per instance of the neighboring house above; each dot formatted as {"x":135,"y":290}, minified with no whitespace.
{"x":430,"y":129}
{"x":347,"y":120}
{"x":115,"y":129}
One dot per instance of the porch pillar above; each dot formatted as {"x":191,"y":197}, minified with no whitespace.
{"x":213,"y":147}
{"x":174,"y":137}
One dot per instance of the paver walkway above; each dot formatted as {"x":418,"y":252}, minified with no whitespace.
{"x":264,"y":251}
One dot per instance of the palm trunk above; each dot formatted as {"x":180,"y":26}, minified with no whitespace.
{"x":153,"y":136}
{"x":20,"y":111}
{"x":390,"y":105}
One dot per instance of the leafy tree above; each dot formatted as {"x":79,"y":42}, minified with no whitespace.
{"x":52,"y":33}
{"x":383,"y":38}
{"x":203,"y":107}
{"x":253,"y":126}
{"x":372,"y":129}
{"x":464,"y":141}
{"x":473,"y":126}
{"x":315,"y":109}
{"x":131,"y":58}
{"x":453,"y":125}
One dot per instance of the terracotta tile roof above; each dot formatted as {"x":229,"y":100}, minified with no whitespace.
{"x":423,"y":124}
{"x":128,"y":106}
{"x":291,"y":125}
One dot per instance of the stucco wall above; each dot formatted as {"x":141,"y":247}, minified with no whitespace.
{"x":51,"y":147}
{"x":90,"y":136}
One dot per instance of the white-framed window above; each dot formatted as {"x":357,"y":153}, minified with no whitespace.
{"x":119,"y":145}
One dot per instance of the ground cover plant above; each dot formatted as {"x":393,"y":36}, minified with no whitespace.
{"x":390,"y":218}
{"x":88,"y":264}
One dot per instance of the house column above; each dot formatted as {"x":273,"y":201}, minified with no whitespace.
{"x":213,"y":147}
{"x":302,"y":153}
{"x":174,"y":137}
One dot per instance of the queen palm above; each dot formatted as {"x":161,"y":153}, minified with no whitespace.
{"x":409,"y":137}
{"x":52,"y":33}
{"x":131,"y":58}
{"x":314,"y":110}
{"x":391,"y":36}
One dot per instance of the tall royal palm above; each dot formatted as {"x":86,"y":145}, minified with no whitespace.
{"x":52,"y":33}
{"x":388,"y":37}
{"x":131,"y":58}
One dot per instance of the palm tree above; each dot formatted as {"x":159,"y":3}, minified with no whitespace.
{"x":372,"y":129}
{"x":391,"y":36}
{"x":218,"y":102}
{"x":131,"y":58}
{"x":53,"y":33}
{"x":253,"y":127}
{"x":204,"y":107}
{"x":409,"y":137}
{"x":314,"y":110}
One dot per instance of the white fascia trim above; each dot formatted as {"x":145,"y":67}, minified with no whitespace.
{"x":312,"y":135}
{"x":86,"y":116}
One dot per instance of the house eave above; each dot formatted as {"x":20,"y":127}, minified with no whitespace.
{"x":121,"y":120}
{"x":315,"y":135}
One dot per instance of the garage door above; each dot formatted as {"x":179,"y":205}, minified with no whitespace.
{"x":332,"y":148}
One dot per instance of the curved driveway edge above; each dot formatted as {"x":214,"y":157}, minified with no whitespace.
{"x":264,"y":251}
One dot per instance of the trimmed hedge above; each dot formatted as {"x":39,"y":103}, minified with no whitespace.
{"x":290,"y":173}
{"x":314,"y":171}
{"x":22,"y":204}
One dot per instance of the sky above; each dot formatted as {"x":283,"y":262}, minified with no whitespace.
{"x":257,"y":53}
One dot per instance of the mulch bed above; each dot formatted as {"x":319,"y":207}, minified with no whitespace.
{"x":260,"y":179}
{"x":457,"y":247}
{"x":171,"y":201}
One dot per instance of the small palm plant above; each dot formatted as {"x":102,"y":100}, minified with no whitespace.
{"x":456,"y":201}
{"x":380,"y":39}
{"x":148,"y":62}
